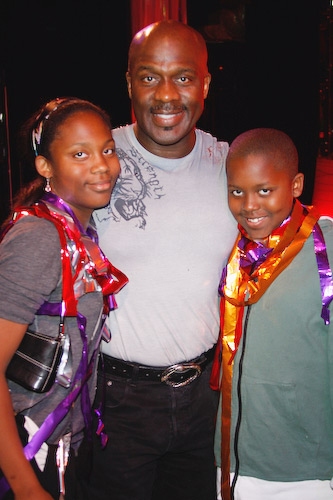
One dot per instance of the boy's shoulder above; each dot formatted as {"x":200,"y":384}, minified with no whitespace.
{"x":326,"y":225}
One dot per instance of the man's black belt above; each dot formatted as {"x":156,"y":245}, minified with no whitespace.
{"x":176,"y":375}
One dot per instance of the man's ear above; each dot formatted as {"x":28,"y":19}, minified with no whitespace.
{"x":298,"y":183}
{"x":43,"y":167}
{"x":129,"y":84}
{"x":207,"y":81}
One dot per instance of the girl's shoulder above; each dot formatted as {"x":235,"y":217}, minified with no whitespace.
{"x":32,"y":231}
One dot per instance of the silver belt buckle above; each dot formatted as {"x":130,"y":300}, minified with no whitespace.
{"x":178,"y":368}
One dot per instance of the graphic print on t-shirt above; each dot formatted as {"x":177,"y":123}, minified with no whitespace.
{"x":137,"y":180}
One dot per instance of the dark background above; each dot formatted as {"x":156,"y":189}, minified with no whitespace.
{"x":268,"y":66}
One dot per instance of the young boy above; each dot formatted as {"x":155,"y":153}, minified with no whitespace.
{"x":274,"y":435}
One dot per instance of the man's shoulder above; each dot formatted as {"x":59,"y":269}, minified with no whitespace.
{"x":122,"y":130}
{"x":209,"y":139}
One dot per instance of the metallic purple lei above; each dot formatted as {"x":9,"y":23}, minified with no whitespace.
{"x":325,"y":272}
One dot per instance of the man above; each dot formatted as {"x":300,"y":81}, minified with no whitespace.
{"x":169,"y":227}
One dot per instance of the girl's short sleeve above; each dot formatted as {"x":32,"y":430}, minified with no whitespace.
{"x":30,"y":268}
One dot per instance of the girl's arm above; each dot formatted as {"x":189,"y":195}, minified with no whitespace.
{"x":14,"y":465}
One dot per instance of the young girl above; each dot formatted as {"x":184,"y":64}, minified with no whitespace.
{"x":54,"y":276}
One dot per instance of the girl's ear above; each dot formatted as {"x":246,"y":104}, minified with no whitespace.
{"x":43,"y":167}
{"x":298,"y":183}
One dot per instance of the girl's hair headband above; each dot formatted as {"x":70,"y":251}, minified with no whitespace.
{"x":44,"y":115}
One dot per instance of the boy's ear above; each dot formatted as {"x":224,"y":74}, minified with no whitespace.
{"x":43,"y":166}
{"x":298,"y":183}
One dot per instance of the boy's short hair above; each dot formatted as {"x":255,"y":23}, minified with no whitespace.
{"x":266,"y":141}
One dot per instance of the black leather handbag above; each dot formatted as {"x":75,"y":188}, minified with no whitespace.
{"x":35,"y":363}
